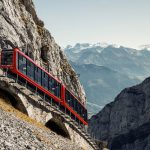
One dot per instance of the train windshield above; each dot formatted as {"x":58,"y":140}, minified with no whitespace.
{"x":7,"y":57}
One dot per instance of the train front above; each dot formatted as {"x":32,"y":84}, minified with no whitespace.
{"x":7,"y":58}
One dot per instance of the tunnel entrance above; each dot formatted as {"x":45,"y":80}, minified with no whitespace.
{"x":12,"y":100}
{"x":58,"y":127}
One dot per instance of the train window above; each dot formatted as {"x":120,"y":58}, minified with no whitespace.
{"x":22,"y":63}
{"x":85,"y":114}
{"x":30,"y":69}
{"x":69,"y":100}
{"x":50,"y":84}
{"x":45,"y":80}
{"x":75,"y":104}
{"x":54,"y":87}
{"x":80,"y":110}
{"x":67,"y":97}
{"x":76,"y":107}
{"x":7,"y":57}
{"x":86,"y":118}
{"x":58,"y":89}
{"x":37,"y":75}
{"x":72,"y":101}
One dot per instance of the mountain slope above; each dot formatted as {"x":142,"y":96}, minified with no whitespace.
{"x":101,"y":83}
{"x":125,"y":67}
{"x":125,"y":60}
{"x":125,"y":122}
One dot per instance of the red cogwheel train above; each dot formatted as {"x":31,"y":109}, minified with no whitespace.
{"x":25,"y":69}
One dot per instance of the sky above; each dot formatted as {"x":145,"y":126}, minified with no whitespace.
{"x":121,"y":22}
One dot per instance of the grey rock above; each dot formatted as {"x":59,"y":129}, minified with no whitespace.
{"x":125,"y":123}
{"x":16,"y":134}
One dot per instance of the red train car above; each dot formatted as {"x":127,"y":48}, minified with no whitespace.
{"x":43,"y":82}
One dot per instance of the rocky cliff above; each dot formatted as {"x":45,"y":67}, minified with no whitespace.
{"x":21,"y":27}
{"x":125,"y":123}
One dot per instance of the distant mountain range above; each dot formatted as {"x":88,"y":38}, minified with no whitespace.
{"x":106,"y":69}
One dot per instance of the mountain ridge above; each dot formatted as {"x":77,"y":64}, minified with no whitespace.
{"x":124,"y":123}
{"x":130,"y":65}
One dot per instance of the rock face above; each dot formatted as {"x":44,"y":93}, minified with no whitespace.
{"x":20,"y":26}
{"x":125,"y":123}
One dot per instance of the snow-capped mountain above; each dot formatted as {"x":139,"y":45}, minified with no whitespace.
{"x":147,"y":47}
{"x":106,"y":69}
{"x":125,"y":60}
{"x":82,"y":46}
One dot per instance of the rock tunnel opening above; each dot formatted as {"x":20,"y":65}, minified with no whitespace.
{"x":12,"y":100}
{"x":58,"y":127}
